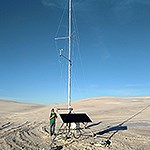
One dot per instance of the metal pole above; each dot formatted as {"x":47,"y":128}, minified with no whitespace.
{"x":69,"y":55}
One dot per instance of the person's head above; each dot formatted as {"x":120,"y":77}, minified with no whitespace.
{"x":52,"y":110}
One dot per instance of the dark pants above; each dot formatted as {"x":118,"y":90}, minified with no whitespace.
{"x":52,"y":128}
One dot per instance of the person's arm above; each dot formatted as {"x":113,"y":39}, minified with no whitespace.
{"x":51,"y":117}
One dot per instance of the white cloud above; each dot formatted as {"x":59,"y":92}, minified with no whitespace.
{"x":53,"y":3}
{"x":48,"y":3}
{"x":134,"y":85}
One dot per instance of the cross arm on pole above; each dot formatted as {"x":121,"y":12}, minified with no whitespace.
{"x":61,"y":38}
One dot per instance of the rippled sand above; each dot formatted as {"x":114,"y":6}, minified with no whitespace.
{"x":125,"y":122}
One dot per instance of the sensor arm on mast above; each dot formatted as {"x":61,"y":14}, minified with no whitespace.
{"x":61,"y":55}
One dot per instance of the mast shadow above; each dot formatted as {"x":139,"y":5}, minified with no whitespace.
{"x":114,"y":128}
{"x":120,"y":126}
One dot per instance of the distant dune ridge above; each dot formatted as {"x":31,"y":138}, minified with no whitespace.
{"x":124,"y":121}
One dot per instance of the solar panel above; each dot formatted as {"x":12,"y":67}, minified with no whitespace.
{"x":69,"y":118}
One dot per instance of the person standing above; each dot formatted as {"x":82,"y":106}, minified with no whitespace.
{"x":52,"y":118}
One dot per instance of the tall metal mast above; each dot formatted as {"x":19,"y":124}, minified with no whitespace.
{"x":68,"y":58}
{"x":69,"y":54}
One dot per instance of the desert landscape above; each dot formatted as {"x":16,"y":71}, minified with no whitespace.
{"x":122,"y":121}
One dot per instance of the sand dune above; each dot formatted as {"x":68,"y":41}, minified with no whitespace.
{"x":124,"y":121}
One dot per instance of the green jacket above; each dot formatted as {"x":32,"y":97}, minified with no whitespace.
{"x":54,"y":118}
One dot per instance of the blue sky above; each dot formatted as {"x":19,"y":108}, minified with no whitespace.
{"x":112,"y":58}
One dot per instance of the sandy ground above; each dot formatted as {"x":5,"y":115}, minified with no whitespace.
{"x":125,"y":122}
